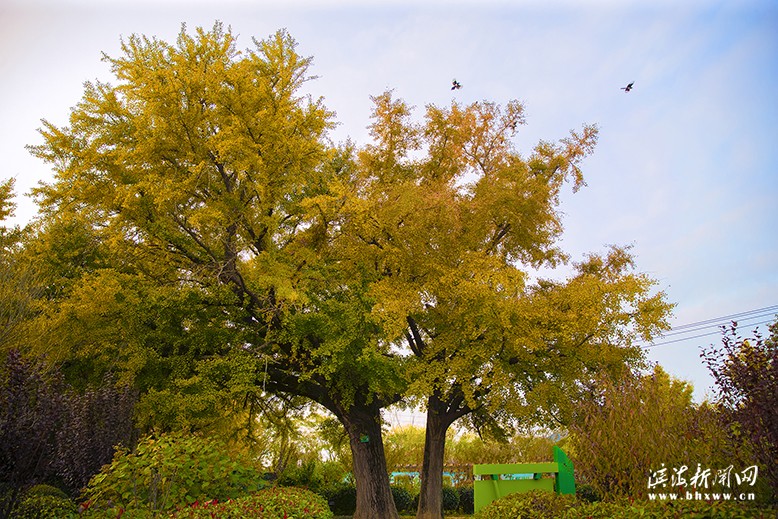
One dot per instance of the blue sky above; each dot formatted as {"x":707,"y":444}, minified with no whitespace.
{"x":685,"y":168}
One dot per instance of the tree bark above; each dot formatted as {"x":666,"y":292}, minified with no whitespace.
{"x":374,"y":496}
{"x":442,"y":411}
{"x":362,"y":421}
{"x":431,"y":493}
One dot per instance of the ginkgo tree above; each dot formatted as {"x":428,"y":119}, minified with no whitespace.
{"x":447,"y":222}
{"x":240,"y":253}
{"x":198,"y":174}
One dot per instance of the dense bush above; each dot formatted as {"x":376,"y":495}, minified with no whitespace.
{"x":46,"y":490}
{"x":633,"y":425}
{"x":548,"y":505}
{"x":315,"y":475}
{"x":49,"y":431}
{"x":466,"y":499}
{"x":95,"y":421}
{"x":271,"y":503}
{"x":537,"y":504}
{"x":342,"y":499}
{"x":450,"y":499}
{"x":403,"y":499}
{"x":746,"y":376}
{"x":31,"y":410}
{"x":44,"y":506}
{"x":170,"y":471}
{"x":587,"y":493}
{"x":669,"y":509}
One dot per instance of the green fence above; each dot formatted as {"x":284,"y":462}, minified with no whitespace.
{"x":494,"y":481}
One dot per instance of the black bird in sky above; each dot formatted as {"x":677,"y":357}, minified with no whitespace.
{"x":455,"y":85}
{"x":628,"y":87}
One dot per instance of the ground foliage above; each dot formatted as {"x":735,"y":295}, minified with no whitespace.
{"x":169,"y":471}
{"x":548,"y":505}
{"x":271,"y":503}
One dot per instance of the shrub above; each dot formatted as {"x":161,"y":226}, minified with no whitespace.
{"x":466,"y":499}
{"x":45,"y":506}
{"x":314,"y":475}
{"x":50,"y":431}
{"x":450,"y":499}
{"x":537,"y":504}
{"x":746,"y":376}
{"x":169,"y":471}
{"x":403,"y":499}
{"x":587,"y":493}
{"x":46,"y":490}
{"x":343,"y":499}
{"x":615,"y":451}
{"x":271,"y":503}
{"x":669,"y":509}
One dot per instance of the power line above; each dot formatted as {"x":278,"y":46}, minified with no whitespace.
{"x":695,"y":336}
{"x":717,"y":323}
{"x":768,"y":309}
{"x":699,"y":326}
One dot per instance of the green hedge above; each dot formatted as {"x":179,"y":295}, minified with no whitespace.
{"x":671,"y":509}
{"x":45,"y":507}
{"x":168,"y":471}
{"x":537,"y":504}
{"x":450,"y":499}
{"x":548,"y":505}
{"x":271,"y":503}
{"x":466,"y":503}
{"x":342,"y":499}
{"x":403,"y":499}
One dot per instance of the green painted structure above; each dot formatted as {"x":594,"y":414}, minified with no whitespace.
{"x":494,"y":481}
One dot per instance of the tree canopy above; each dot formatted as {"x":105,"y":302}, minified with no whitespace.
{"x":205,"y":240}
{"x":448,"y":224}
{"x":197,"y":176}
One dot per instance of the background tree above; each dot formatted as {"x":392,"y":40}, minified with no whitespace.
{"x":19,"y":282}
{"x":52,"y":433}
{"x":635,"y":425}
{"x":31,"y":409}
{"x":745,"y":372}
{"x":200,"y":171}
{"x":447,"y":223}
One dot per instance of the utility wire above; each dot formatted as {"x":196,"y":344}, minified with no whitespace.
{"x":649,"y":346}
{"x":768,"y":309}
{"x":716,"y":323}
{"x":699,"y":326}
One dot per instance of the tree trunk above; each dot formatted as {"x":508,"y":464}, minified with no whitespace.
{"x":362,"y":421}
{"x":374,"y":496}
{"x":439,"y":418}
{"x":431,"y":494}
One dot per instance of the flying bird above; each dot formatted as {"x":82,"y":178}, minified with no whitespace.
{"x":455,"y":85}
{"x":628,"y":87}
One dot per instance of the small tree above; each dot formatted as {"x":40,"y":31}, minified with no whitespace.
{"x":49,"y":431}
{"x":31,"y":413}
{"x":631,"y":427}
{"x":746,"y":375}
{"x":95,"y":421}
{"x":17,"y":278}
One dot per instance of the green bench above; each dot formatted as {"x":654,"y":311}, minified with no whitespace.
{"x":490,"y":482}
